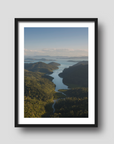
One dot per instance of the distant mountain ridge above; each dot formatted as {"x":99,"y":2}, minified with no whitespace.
{"x":58,"y":57}
{"x":54,"y":64}
{"x":42,"y":59}
{"x":41,"y":67}
{"x":81,"y":63}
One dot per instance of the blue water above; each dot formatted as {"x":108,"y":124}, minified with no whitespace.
{"x":58,"y":81}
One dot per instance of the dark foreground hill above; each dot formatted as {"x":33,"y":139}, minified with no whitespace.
{"x":76,"y":75}
{"x":42,"y":67}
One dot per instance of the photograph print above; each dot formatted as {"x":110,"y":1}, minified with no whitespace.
{"x":56,"y":72}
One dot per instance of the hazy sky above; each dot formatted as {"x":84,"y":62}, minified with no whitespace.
{"x":56,"y":41}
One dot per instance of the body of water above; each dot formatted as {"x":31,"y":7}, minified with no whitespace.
{"x":58,"y":81}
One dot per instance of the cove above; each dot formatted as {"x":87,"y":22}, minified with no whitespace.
{"x":58,"y":81}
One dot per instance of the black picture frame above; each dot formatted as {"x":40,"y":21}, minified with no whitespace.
{"x":17,"y":21}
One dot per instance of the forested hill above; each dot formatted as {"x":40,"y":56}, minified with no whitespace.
{"x":76,"y":75}
{"x":42,"y":67}
{"x":81,"y":63}
{"x":54,"y":64}
{"x":35,"y":85}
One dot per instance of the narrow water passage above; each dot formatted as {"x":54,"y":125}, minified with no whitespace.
{"x":58,"y":81}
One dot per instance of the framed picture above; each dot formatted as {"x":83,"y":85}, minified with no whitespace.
{"x":56,"y":72}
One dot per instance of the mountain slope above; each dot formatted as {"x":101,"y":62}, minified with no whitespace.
{"x":41,"y":67}
{"x":38,"y":92}
{"x":76,"y":75}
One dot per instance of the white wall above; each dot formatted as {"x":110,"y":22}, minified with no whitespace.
{"x":104,"y":11}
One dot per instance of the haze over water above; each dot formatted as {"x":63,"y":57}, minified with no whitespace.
{"x":56,"y":42}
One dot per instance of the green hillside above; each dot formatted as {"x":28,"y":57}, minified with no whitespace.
{"x":72,"y":107}
{"x":41,"y":67}
{"x":38,"y":86}
{"x":38,"y":94}
{"x":40,"y":91}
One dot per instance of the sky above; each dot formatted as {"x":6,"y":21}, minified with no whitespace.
{"x":56,"y":42}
